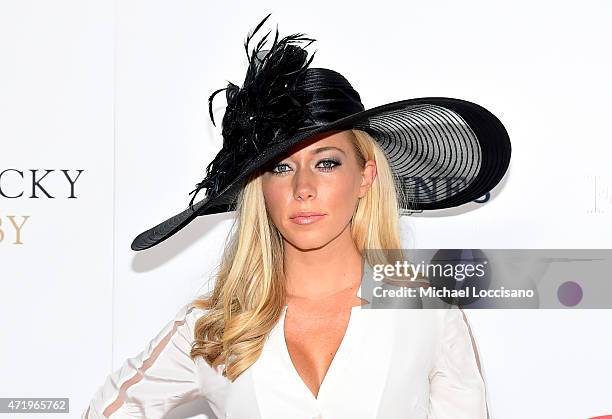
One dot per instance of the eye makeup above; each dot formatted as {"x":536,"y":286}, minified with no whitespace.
{"x":325,"y":165}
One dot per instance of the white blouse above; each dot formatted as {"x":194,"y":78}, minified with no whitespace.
{"x":391,"y":363}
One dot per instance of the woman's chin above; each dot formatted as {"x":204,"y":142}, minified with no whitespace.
{"x":305,"y":243}
{"x":312,"y":237}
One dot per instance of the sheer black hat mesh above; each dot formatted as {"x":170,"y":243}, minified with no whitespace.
{"x":443,"y":152}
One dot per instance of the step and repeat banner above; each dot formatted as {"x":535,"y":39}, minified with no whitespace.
{"x":104,"y":132}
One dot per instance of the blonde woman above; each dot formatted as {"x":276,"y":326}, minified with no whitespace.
{"x":316,"y":180}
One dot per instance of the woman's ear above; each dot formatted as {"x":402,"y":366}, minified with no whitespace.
{"x":368,"y":175}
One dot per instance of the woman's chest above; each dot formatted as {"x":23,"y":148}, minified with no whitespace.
{"x":379,"y":371}
{"x":312,"y":343}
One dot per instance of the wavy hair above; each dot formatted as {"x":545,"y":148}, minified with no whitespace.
{"x":249,"y":292}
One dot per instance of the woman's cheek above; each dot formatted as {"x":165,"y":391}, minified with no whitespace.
{"x":276,"y":204}
{"x":340,"y":197}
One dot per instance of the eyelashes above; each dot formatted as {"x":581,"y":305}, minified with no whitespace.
{"x":328,"y":166}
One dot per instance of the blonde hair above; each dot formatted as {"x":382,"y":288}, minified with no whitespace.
{"x":249,"y":292}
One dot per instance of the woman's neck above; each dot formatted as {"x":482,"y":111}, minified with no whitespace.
{"x":326,"y":273}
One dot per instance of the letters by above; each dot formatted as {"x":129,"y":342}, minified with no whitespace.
{"x":14,"y":226}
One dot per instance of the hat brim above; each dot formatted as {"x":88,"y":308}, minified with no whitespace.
{"x":481,"y":142}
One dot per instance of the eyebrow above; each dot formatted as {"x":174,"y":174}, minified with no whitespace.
{"x":321,"y":149}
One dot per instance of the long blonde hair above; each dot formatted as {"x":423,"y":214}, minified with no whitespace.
{"x":249,"y":292}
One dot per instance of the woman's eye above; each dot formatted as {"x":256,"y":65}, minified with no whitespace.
{"x":329,"y":164}
{"x":326,"y":165}
{"x":281,"y":165}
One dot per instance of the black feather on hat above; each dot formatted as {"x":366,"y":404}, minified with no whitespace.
{"x":444,"y":152}
{"x":266,"y":109}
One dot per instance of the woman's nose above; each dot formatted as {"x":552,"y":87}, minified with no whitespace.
{"x":304,"y":185}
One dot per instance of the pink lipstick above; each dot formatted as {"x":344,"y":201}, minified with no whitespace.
{"x":304,"y":218}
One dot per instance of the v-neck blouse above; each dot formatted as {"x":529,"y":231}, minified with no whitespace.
{"x":391,"y":363}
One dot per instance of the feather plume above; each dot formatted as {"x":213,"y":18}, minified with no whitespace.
{"x":268,"y":107}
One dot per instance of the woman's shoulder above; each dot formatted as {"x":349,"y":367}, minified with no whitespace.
{"x":432,"y":323}
{"x":193,"y":310}
{"x":454,"y":330}
{"x":186,"y":317}
{"x":448,"y":318}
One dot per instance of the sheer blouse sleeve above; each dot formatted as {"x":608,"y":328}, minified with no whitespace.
{"x":159,"y":378}
{"x":457,"y":388}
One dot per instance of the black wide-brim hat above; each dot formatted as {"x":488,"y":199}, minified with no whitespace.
{"x":443,"y":152}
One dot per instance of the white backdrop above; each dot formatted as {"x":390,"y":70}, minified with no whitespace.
{"x":119,"y":90}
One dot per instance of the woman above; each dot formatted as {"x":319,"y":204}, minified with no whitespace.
{"x":285,"y":332}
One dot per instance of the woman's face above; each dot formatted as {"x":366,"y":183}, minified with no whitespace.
{"x":322,"y":178}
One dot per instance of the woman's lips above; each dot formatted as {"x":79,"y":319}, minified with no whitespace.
{"x":307,"y":219}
